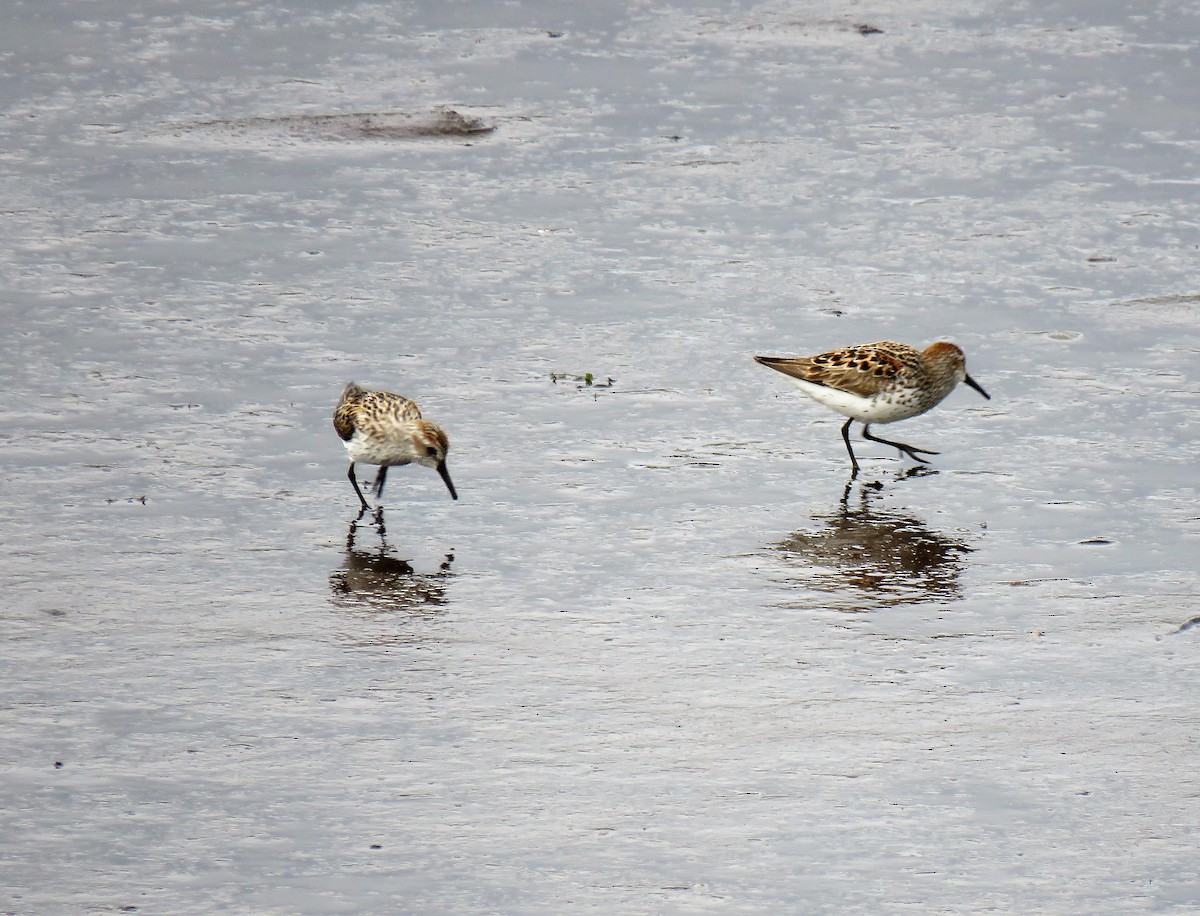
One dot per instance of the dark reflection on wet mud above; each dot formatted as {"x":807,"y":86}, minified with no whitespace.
{"x":373,"y":578}
{"x":874,"y":557}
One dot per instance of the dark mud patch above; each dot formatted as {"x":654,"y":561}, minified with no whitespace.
{"x":354,"y":127}
{"x":780,"y":29}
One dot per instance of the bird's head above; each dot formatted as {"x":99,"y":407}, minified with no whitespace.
{"x":432,"y":445}
{"x":948,"y":357}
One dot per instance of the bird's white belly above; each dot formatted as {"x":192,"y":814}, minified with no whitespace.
{"x":884,"y":408}
{"x":376,"y":450}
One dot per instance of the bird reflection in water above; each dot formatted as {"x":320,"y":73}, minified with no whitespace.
{"x":376,"y":579}
{"x":875,"y":557}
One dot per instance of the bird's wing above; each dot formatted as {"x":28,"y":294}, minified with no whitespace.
{"x":392,"y":406}
{"x":343,"y":420}
{"x":358,"y":403}
{"x":855,"y":370}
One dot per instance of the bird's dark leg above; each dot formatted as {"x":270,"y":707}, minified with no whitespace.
{"x":910,"y":450}
{"x":354,"y":480}
{"x":846,"y":439}
{"x":380,"y":480}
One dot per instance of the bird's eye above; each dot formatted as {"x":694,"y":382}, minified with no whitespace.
{"x":430,"y":450}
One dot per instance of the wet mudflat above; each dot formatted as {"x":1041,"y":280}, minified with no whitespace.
{"x":662,"y":655}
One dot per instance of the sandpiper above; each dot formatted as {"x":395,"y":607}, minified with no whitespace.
{"x":878,"y":383}
{"x":382,"y":428}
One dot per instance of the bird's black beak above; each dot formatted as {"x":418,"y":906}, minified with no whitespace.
{"x":441,"y":469}
{"x":974,"y":384}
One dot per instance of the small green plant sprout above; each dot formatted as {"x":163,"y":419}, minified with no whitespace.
{"x":587,"y":380}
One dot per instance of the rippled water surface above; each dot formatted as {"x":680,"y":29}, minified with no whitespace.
{"x":663,"y":655}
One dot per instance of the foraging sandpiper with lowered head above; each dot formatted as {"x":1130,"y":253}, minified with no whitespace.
{"x":878,"y":383}
{"x":382,"y":428}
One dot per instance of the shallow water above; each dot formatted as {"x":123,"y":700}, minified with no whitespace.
{"x":661,"y":656}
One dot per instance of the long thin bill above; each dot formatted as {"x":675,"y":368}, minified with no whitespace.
{"x":441,"y":469}
{"x":974,"y":384}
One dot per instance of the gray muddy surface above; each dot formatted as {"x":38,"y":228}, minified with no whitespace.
{"x":661,"y":656}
